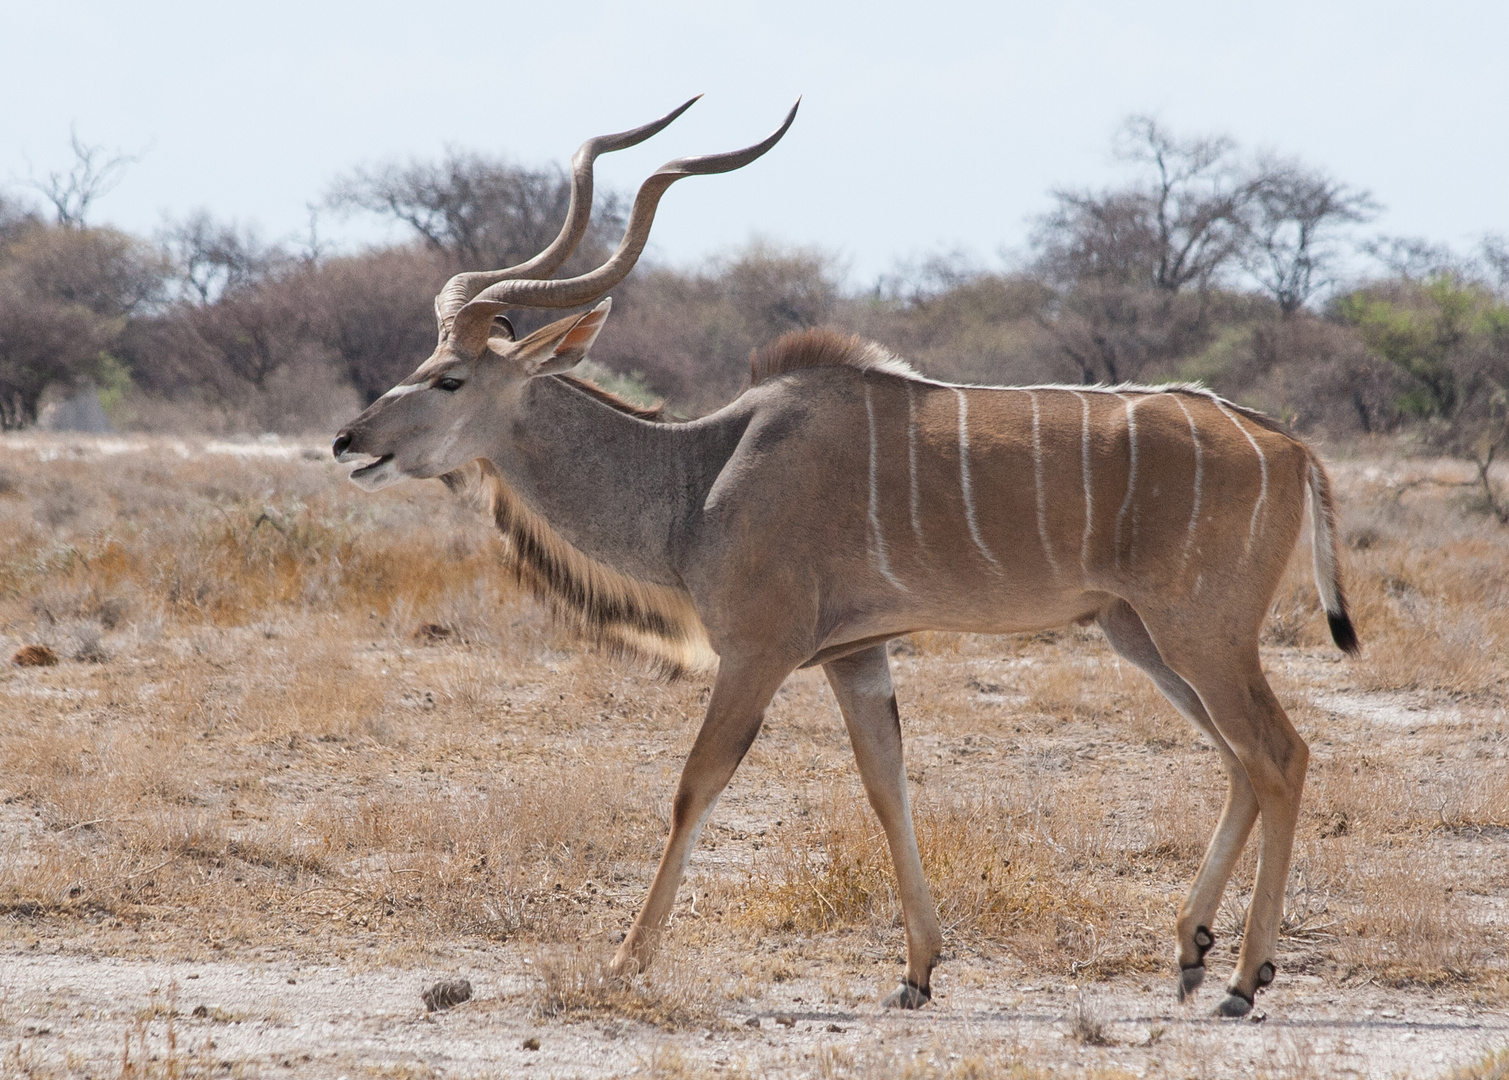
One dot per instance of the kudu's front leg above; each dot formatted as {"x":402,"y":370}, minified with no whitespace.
{"x":862,"y":684}
{"x":733,"y":719}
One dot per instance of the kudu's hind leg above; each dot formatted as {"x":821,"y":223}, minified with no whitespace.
{"x":862,"y":684}
{"x":1125,"y":631}
{"x":1256,"y":727}
{"x":734,"y":715}
{"x":1230,"y":682}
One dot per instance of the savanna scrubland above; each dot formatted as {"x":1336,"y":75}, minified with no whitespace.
{"x":287,"y":752}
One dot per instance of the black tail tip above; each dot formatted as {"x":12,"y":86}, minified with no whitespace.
{"x":1342,"y":633}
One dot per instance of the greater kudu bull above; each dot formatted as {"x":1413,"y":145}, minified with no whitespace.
{"x":844,"y":500}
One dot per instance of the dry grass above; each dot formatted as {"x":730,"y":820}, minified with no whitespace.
{"x":246,"y":746}
{"x":1492,"y":1067}
{"x":574,"y":983}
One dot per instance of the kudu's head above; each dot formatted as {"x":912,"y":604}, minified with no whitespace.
{"x":449,"y":411}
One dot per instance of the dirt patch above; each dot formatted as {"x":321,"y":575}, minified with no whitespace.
{"x":70,"y":1015}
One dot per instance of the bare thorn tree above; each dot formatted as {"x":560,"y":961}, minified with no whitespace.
{"x":212,"y":259}
{"x":94,"y":174}
{"x":1193,"y":205}
{"x":1290,"y":227}
{"x":474,"y":209}
{"x":1495,"y":258}
{"x":1413,"y":258}
{"x":1132,"y":267}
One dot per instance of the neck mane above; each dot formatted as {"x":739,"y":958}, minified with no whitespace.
{"x":651,"y":623}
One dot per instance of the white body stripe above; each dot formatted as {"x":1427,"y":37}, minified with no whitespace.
{"x":1084,"y":464}
{"x":1257,"y":507}
{"x":911,"y":461}
{"x":1126,"y":504}
{"x":964,"y":482}
{"x":876,"y":536}
{"x":1194,"y":512}
{"x":1037,"y":476}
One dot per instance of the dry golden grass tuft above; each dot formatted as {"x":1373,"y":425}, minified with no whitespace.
{"x":995,"y":875}
{"x":1493,"y":1066}
{"x":291,"y":715}
{"x":575,"y":983}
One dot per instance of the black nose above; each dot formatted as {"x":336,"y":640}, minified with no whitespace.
{"x":342,"y":444}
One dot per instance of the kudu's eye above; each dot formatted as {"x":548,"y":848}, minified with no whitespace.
{"x":450,"y":384}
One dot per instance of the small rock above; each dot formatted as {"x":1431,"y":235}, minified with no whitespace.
{"x":786,"y":1021}
{"x":834,"y":1028}
{"x":292,"y":982}
{"x":200,"y":1011}
{"x":531,"y":1043}
{"x":753,"y":1021}
{"x":447,"y":994}
{"x":34,"y":656}
{"x":1257,"y":1018}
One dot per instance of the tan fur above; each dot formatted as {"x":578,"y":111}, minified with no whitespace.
{"x":824,"y":348}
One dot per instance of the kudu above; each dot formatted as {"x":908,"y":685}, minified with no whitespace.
{"x":844,"y":500}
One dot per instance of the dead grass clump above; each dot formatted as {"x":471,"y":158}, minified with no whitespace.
{"x":1433,"y":619}
{"x":1087,"y":1022}
{"x":575,"y":983}
{"x":1352,"y":794}
{"x":991,"y":874}
{"x":1081,"y":678}
{"x":1493,"y":1066}
{"x":1182,"y":814}
{"x":211,"y":541}
{"x":1403,"y":927}
{"x":533,"y":857}
{"x":326,"y":696}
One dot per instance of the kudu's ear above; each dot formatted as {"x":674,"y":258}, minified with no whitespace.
{"x":564,"y":343}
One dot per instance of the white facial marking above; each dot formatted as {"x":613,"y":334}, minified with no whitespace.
{"x":1126,"y":504}
{"x":911,"y":461}
{"x":1084,"y":465}
{"x":964,"y":483}
{"x":412,"y":388}
{"x":882,"y":562}
{"x":1257,"y":507}
{"x":1037,"y":476}
{"x":1194,"y":513}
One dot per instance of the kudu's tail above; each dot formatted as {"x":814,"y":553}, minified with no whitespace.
{"x":1327,"y":569}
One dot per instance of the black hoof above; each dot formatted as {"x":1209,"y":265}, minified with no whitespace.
{"x":908,"y":996}
{"x":1190,"y":979}
{"x":1234,"y":1005}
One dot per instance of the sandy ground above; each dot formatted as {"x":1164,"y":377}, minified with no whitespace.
{"x":74,"y":1013}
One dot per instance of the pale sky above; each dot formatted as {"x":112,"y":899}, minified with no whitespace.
{"x":924,"y":127}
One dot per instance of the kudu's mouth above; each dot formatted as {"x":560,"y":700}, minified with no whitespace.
{"x":369,"y":475}
{"x":371,"y":467}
